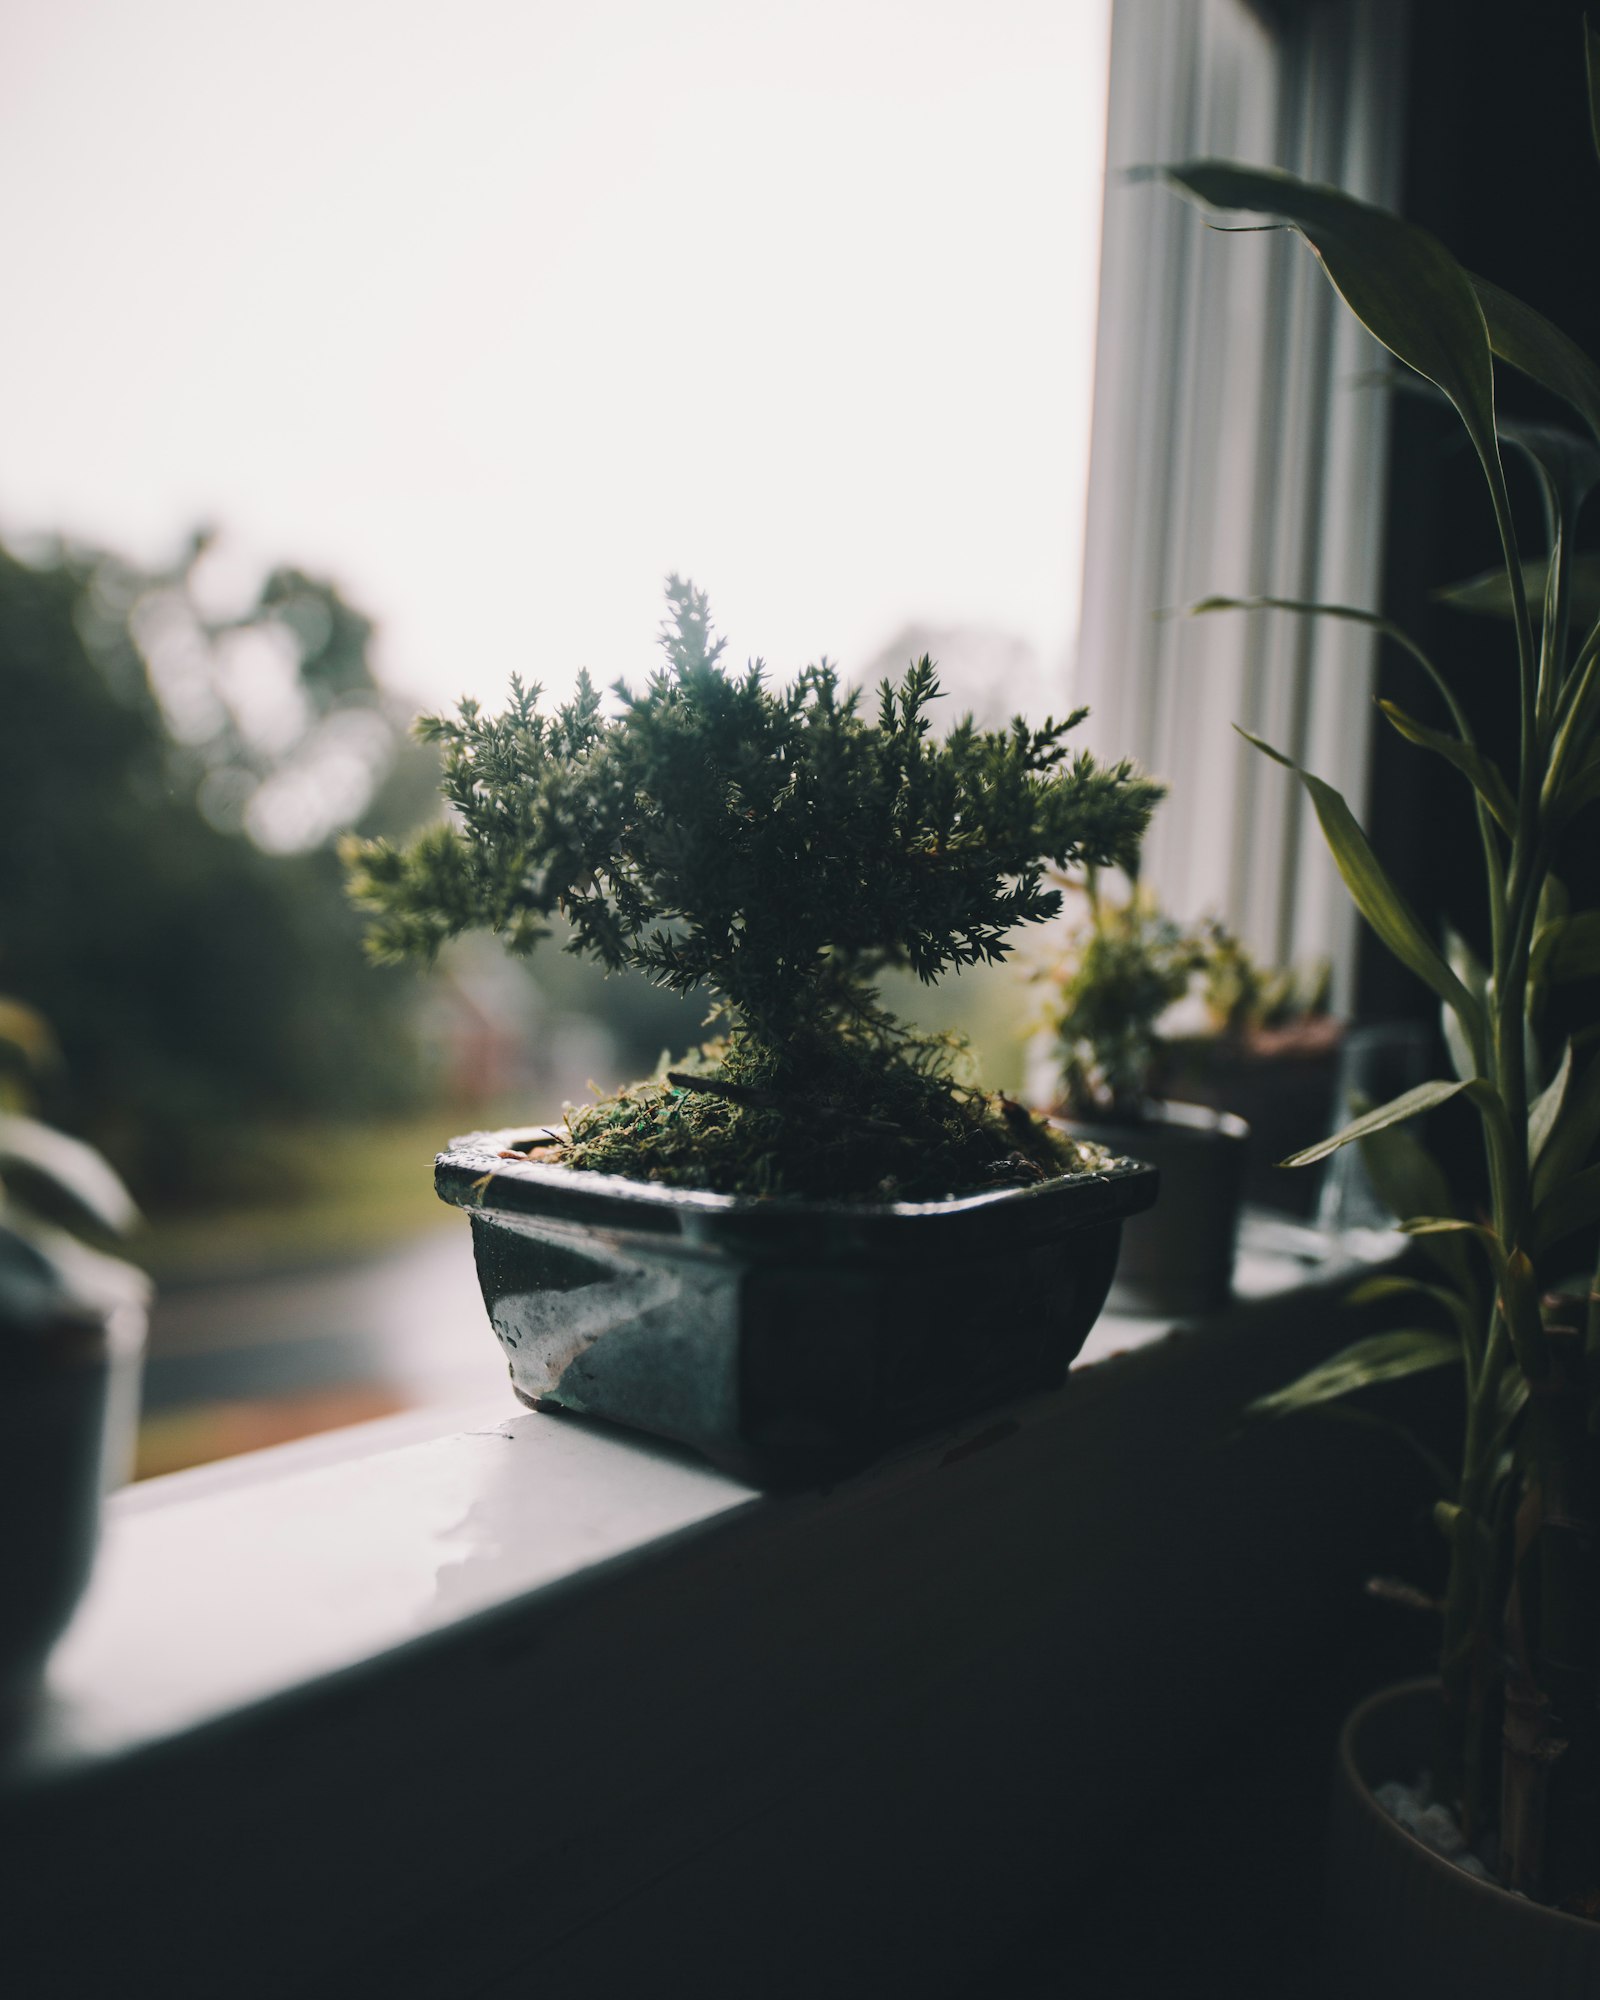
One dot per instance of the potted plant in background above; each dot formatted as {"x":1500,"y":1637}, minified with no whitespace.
{"x":1262,"y":1043}
{"x":814,"y":1234}
{"x":1512,"y":1731}
{"x":1121,"y":975}
{"x":71,"y":1333}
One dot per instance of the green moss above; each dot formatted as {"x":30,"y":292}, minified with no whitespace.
{"x":880,"y":1113}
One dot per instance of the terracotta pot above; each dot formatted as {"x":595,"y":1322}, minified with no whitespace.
{"x":1177,"y":1259}
{"x":1281,"y":1082}
{"x":788,"y":1340}
{"x":1400,"y":1920}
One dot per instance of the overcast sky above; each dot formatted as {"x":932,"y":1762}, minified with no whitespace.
{"x":498,"y":310}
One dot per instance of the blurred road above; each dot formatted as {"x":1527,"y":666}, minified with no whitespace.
{"x":409,"y":1324}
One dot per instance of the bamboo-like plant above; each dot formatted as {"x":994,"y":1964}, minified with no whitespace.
{"x":1520,"y":1653}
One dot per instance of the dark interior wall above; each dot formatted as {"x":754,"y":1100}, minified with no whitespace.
{"x":1500,"y":165}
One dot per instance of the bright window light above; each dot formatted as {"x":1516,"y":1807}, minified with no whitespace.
{"x":498,"y":312}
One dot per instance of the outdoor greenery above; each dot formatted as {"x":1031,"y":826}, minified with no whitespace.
{"x":1520,"y":1653}
{"x":779,"y":848}
{"x":170,"y":780}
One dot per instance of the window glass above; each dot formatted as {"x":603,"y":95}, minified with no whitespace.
{"x":456,"y":329}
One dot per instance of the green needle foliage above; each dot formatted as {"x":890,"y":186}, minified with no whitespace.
{"x":778,"y":847}
{"x":1520,"y":1518}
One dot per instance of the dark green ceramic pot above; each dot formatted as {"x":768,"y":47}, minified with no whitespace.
{"x":69,"y":1371}
{"x":790,"y":1341}
{"x":1178,"y":1261}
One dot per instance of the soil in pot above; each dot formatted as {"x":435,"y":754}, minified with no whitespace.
{"x":1403,"y":1921}
{"x":1177,"y":1259}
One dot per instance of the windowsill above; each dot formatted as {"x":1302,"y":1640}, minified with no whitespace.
{"x":238,"y":1606}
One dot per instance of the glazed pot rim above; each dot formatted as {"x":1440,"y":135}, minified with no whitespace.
{"x":1426,"y":1689}
{"x":1167,"y":1115}
{"x":471,"y":1174}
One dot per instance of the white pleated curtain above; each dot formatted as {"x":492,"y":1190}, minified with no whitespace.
{"x":1238,"y":449}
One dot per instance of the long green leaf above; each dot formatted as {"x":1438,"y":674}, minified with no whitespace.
{"x":1382,"y":1357}
{"x":1400,"y":282}
{"x":1382,"y":626}
{"x":1567,"y":460}
{"x":1565,"y":950}
{"x":1484,"y":777}
{"x":1542,"y":352}
{"x":1580,"y":790}
{"x":1375,"y":896}
{"x":1569,"y":1206}
{"x":1373,"y":1291}
{"x":1577,"y":954}
{"x":1573,"y":1136}
{"x":1453,"y":1225}
{"x":1409,"y":293}
{"x":68,"y":1166}
{"x":1451,"y":1229}
{"x":1307,"y":607}
{"x":1591,"y":65}
{"x":1409,"y":1181}
{"x":1546,"y":1107}
{"x":1409,"y":1105}
{"x":1463,"y":961}
{"x":1575,"y":721}
{"x":1488,"y":594}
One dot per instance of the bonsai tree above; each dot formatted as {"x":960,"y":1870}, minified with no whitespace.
{"x":1122,"y":971}
{"x":777,"y":847}
{"x":1247,"y":1001}
{"x":1520,"y":1649}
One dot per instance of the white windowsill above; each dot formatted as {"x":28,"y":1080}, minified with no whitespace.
{"x":524,"y":1608}
{"x":242,"y":1582}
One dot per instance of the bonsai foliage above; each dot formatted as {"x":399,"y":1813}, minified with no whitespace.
{"x":1520,"y":1653}
{"x":777,"y":847}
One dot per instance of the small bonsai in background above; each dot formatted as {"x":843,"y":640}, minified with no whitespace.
{"x":1143,"y":1003}
{"x":777,"y":847}
{"x":1248,"y":1002}
{"x":1127,"y":967}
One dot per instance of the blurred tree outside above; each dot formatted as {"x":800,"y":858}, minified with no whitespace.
{"x":169,"y":784}
{"x":172,"y":782}
{"x":178,"y":757}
